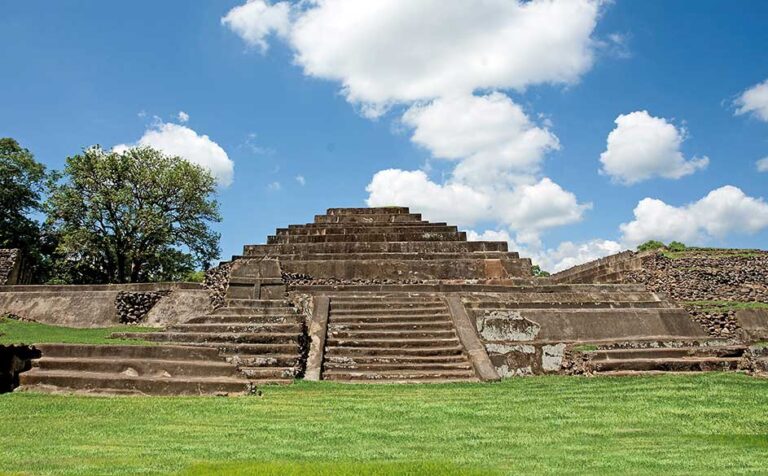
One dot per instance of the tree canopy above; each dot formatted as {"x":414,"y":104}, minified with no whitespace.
{"x":132,"y":216}
{"x":22,"y":182}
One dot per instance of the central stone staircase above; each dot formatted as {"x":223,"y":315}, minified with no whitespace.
{"x":393,"y":338}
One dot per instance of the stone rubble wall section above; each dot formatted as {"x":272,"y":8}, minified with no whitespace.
{"x":133,"y":307}
{"x":738,"y":276}
{"x":8,"y":262}
{"x":216,"y":282}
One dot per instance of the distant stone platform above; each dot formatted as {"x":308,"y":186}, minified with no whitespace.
{"x":381,"y":295}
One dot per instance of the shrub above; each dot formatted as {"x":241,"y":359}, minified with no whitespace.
{"x":651,"y":245}
{"x":538,"y":272}
{"x":676,"y":246}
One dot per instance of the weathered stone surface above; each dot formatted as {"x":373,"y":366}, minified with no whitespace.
{"x":506,"y":326}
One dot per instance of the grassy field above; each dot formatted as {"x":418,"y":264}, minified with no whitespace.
{"x":705,"y":424}
{"x":18,"y":332}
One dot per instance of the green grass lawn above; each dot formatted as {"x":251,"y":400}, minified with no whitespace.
{"x":723,"y":306}
{"x":19,"y":332}
{"x":704,"y":424}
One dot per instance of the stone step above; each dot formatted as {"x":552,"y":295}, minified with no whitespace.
{"x":363,"y":304}
{"x":415,"y":236}
{"x":99,"y":382}
{"x":645,"y":373}
{"x":464,"y":365}
{"x":507,"y":286}
{"x":246,"y":319}
{"x":391,"y":334}
{"x":254,"y":311}
{"x":140,"y":367}
{"x":162,"y":352}
{"x":690,"y":364}
{"x":239,"y":327}
{"x":397,"y":359}
{"x":269,"y":373}
{"x":374,"y":350}
{"x":394,"y":342}
{"x":351,"y":229}
{"x":264,"y":360}
{"x":414,"y":256}
{"x":229,"y":348}
{"x":399,"y":375}
{"x":387,"y":318}
{"x":374,"y":223}
{"x":665,"y":352}
{"x":211,"y":337}
{"x":367,"y":211}
{"x":257,"y":303}
{"x":507,"y":306}
{"x":482,"y":302}
{"x":447,"y":324}
{"x":441,"y":311}
{"x":351,"y":247}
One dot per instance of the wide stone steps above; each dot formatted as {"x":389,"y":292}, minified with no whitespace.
{"x":245,"y":319}
{"x":357,"y":230}
{"x":395,"y":359}
{"x":561,"y":297}
{"x":666,"y":352}
{"x":375,"y":307}
{"x":106,"y":382}
{"x":272,"y":374}
{"x":689,"y":364}
{"x":263,"y":360}
{"x":262,"y":304}
{"x":389,"y":318}
{"x":387,"y":311}
{"x":574,"y":305}
{"x":140,"y":367}
{"x":413,"y":256}
{"x":396,"y":325}
{"x":393,"y":342}
{"x":251,"y":311}
{"x":120,"y":352}
{"x":245,"y":327}
{"x":133,"y":369}
{"x":214,"y":338}
{"x":402,"y":375}
{"x":352,"y":247}
{"x":358,"y":224}
{"x":413,"y":236}
{"x":358,"y":366}
{"x":431,"y":334}
{"x":446,"y":350}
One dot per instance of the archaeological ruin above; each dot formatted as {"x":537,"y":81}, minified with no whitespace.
{"x":379,"y":295}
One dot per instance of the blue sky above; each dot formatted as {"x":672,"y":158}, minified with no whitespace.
{"x":267,"y":88}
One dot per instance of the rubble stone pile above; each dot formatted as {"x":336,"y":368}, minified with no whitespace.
{"x":8,"y":258}
{"x":133,"y":307}
{"x":216,"y":282}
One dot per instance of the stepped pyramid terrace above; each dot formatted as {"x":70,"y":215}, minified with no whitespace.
{"x":382,"y":295}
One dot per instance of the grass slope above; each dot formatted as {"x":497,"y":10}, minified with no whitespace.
{"x":707,"y":424}
{"x":19,"y":332}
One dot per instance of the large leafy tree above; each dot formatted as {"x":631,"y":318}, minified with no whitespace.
{"x":22,"y":181}
{"x":133,"y":216}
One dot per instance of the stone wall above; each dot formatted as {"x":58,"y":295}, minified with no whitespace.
{"x":693,"y":278}
{"x":97,"y":305}
{"x":12,"y":269}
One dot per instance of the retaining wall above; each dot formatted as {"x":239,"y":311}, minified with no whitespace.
{"x":94,"y":305}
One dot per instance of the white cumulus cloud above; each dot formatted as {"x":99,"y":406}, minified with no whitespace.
{"x":527,"y":209}
{"x":754,"y":101}
{"x":391,"y":51}
{"x":762,"y":165}
{"x":182,"y":116}
{"x":255,"y":20}
{"x":178,"y":140}
{"x":723,"y":211}
{"x":490,"y":135}
{"x":642,"y":146}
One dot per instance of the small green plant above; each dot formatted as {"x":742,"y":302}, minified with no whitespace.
{"x":651,"y":245}
{"x":195,"y":277}
{"x":538,"y":272}
{"x":676,"y":246}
